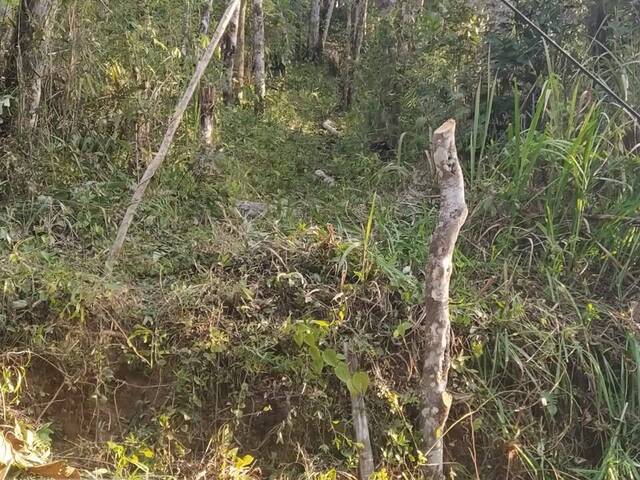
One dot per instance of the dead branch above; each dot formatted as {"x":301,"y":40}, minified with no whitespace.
{"x":168,"y":136}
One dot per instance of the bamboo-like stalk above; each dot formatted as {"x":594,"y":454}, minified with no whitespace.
{"x":168,"y":136}
{"x":436,"y":401}
{"x":366,"y":465}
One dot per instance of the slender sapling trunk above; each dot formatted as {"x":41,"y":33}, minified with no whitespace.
{"x":229,"y":45}
{"x":258,"y":54}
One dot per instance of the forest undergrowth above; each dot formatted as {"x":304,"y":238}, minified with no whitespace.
{"x":214,"y":348}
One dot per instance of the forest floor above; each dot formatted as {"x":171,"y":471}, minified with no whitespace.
{"x":207,"y":351}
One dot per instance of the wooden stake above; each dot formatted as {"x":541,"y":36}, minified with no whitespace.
{"x":453,"y":213}
{"x":168,"y":136}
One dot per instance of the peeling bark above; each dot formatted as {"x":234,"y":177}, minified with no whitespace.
{"x":366,"y":466}
{"x":229,"y":45}
{"x":453,"y":213}
{"x":258,"y":54}
{"x":313,"y":41}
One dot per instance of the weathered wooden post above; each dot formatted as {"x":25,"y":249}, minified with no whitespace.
{"x":453,"y":213}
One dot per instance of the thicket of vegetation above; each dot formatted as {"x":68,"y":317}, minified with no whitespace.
{"x":268,"y":244}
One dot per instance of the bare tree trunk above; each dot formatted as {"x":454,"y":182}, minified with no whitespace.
{"x":409,"y":10}
{"x":207,"y":91}
{"x":360,"y":29}
{"x":366,"y":465}
{"x":356,"y":28}
{"x":325,"y":27}
{"x":313,"y":42}
{"x":347,"y":84}
{"x":229,"y":45}
{"x":72,"y":93}
{"x":239,"y":63}
{"x":169,"y":134}
{"x":436,"y":401}
{"x":205,"y":21}
{"x":33,"y":33}
{"x":258,"y":53}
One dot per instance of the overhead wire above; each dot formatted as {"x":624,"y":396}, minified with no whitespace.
{"x":630,"y":110}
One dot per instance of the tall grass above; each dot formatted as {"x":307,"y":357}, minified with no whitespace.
{"x":568,"y":179}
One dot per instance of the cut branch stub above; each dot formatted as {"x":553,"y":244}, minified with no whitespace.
{"x":452,"y":215}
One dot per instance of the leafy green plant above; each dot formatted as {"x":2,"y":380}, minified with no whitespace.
{"x":310,"y":336}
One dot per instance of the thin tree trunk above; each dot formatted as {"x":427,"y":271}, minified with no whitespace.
{"x":239,"y":62}
{"x":347,"y":85}
{"x":229,"y":45}
{"x":313,"y":42}
{"x":71,"y":87}
{"x":326,"y":26}
{"x":597,"y":27}
{"x":207,"y":91}
{"x":409,"y":11}
{"x":356,"y":29}
{"x":168,"y":136}
{"x":8,"y":17}
{"x":436,"y":401}
{"x":205,"y":21}
{"x":35,"y":24}
{"x":258,"y":53}
{"x":361,"y":27}
{"x":366,"y":465}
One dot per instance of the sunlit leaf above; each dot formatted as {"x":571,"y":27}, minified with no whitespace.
{"x":244,"y":461}
{"x":360,"y":382}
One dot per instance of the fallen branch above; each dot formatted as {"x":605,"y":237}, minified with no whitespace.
{"x":453,"y":213}
{"x":330,"y":127}
{"x":168,"y":136}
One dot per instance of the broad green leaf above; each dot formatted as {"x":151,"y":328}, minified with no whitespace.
{"x":342,"y":372}
{"x":360,"y":382}
{"x":316,"y":358}
{"x":330,"y":357}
